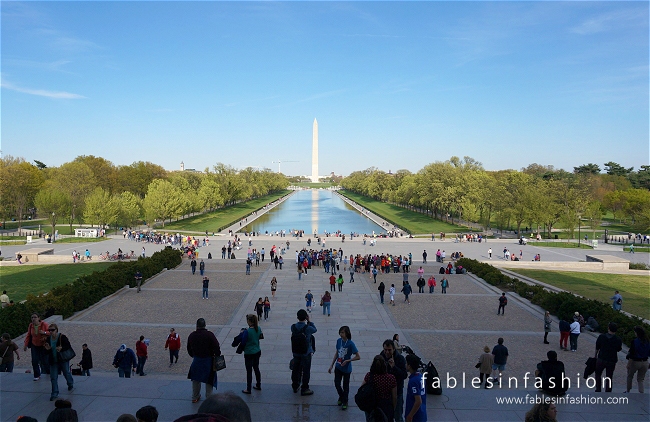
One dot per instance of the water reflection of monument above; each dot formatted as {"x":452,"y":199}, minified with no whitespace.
{"x":314,"y":210}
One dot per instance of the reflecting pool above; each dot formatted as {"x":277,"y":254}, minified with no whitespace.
{"x":314,"y":210}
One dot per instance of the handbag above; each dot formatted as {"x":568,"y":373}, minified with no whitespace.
{"x":478,"y":365}
{"x":321,"y":302}
{"x":67,"y":355}
{"x":218,"y":363}
{"x":261,"y":336}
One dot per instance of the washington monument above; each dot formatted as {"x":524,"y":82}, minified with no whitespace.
{"x":314,"y":154}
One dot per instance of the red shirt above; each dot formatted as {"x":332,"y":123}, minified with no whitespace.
{"x":140,"y":348}
{"x":332,"y":279}
{"x":174,"y":343}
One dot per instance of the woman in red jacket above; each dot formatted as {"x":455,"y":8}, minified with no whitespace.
{"x":36,"y":338}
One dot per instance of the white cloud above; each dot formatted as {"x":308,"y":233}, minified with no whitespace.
{"x":608,"y":21}
{"x":42,"y":92}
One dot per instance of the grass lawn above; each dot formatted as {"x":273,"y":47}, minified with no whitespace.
{"x":637,"y":249}
{"x":635,"y":289}
{"x":212,"y":222}
{"x":36,"y":279}
{"x":12,"y":242}
{"x":81,"y":239}
{"x":412,"y":221}
{"x":560,"y":245}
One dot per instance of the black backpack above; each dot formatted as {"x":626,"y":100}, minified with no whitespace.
{"x":366,"y":397}
{"x":429,"y":374}
{"x":299,"y":345}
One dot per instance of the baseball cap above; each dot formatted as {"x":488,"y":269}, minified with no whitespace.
{"x":123,"y":348}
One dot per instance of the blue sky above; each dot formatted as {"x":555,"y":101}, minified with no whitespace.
{"x":395,"y":85}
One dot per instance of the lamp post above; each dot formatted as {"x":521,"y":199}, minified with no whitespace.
{"x":53,"y":220}
{"x":579,"y":231}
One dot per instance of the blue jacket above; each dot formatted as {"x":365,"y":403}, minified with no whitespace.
{"x":125,"y":360}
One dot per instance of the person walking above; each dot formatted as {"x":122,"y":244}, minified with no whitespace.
{"x":280,"y":261}
{"x":259,"y":308}
{"x":267,"y":307}
{"x":125,"y":361}
{"x":431,"y":283}
{"x":617,"y":301}
{"x":252,"y":353}
{"x":59,"y":353}
{"x":374,"y":272}
{"x":141,"y":352}
{"x":326,"y":301}
{"x":503,"y":301}
{"x":138,"y":281}
{"x":573,"y":334}
{"x":424,"y":256}
{"x":274,"y":287}
{"x":346,"y":352}
{"x":607,"y":347}
{"x":223,"y":252}
{"x":444,"y":283}
{"x":193,"y":265}
{"x":206,"y":283}
{"x":173,"y":343}
{"x":86,"y":360}
{"x":202,"y":267}
{"x":35,"y":340}
{"x":407,"y":290}
{"x":547,"y":326}
{"x":332,"y":283}
{"x":351,"y":274}
{"x":382,"y":289}
{"x":302,"y":350}
{"x":300,"y":271}
{"x":385,"y":386}
{"x":638,"y":359}
{"x":484,"y":365}
{"x":309,"y":300}
{"x":203,"y":347}
{"x":7,"y":350}
{"x":500,"y":353}
{"x":340,"y":282}
{"x":248,"y":266}
{"x":490,"y":253}
{"x":391,"y":293}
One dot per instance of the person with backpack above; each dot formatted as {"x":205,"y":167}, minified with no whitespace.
{"x":406,"y":289}
{"x":340,"y":281}
{"x":444,"y":283}
{"x":380,"y":399}
{"x":637,"y":359}
{"x":346,"y":352}
{"x":302,"y":350}
{"x":503,"y":301}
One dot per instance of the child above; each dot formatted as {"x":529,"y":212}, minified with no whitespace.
{"x":391,"y":291}
{"x":309,"y":298}
{"x":415,"y":409}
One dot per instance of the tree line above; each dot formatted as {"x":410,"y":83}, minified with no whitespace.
{"x":94,"y":191}
{"x":536,"y":196}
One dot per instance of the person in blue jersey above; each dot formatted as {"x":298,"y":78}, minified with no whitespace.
{"x":346,"y":352}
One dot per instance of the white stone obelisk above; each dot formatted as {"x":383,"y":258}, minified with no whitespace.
{"x":314,"y":153}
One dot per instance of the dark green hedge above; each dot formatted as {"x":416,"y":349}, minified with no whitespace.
{"x":84,"y":291}
{"x":563,"y":305}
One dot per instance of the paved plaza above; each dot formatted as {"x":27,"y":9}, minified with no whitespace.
{"x":450,"y":330}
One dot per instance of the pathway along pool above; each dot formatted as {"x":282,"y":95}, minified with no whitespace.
{"x":314,"y":210}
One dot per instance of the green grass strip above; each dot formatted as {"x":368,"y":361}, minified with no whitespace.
{"x":220,"y":219}
{"x":570,"y":245}
{"x":21,"y":280}
{"x":599,"y":286}
{"x":411,"y":221}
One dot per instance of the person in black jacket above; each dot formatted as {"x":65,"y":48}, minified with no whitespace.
{"x":607,"y":348}
{"x":203,"y":347}
{"x":551,"y":372}
{"x":55,"y":345}
{"x":396,"y":365}
{"x":86,"y":360}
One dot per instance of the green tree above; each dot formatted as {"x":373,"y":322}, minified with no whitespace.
{"x":617,"y":169}
{"x":19,"y":183}
{"x":53,"y":204}
{"x":76,"y":180}
{"x":594,"y":213}
{"x":104,"y":171}
{"x":590,"y":168}
{"x":163,"y":201}
{"x":129,"y":209}
{"x":100,"y":208}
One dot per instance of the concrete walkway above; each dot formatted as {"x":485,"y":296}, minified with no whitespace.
{"x":450,"y":330}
